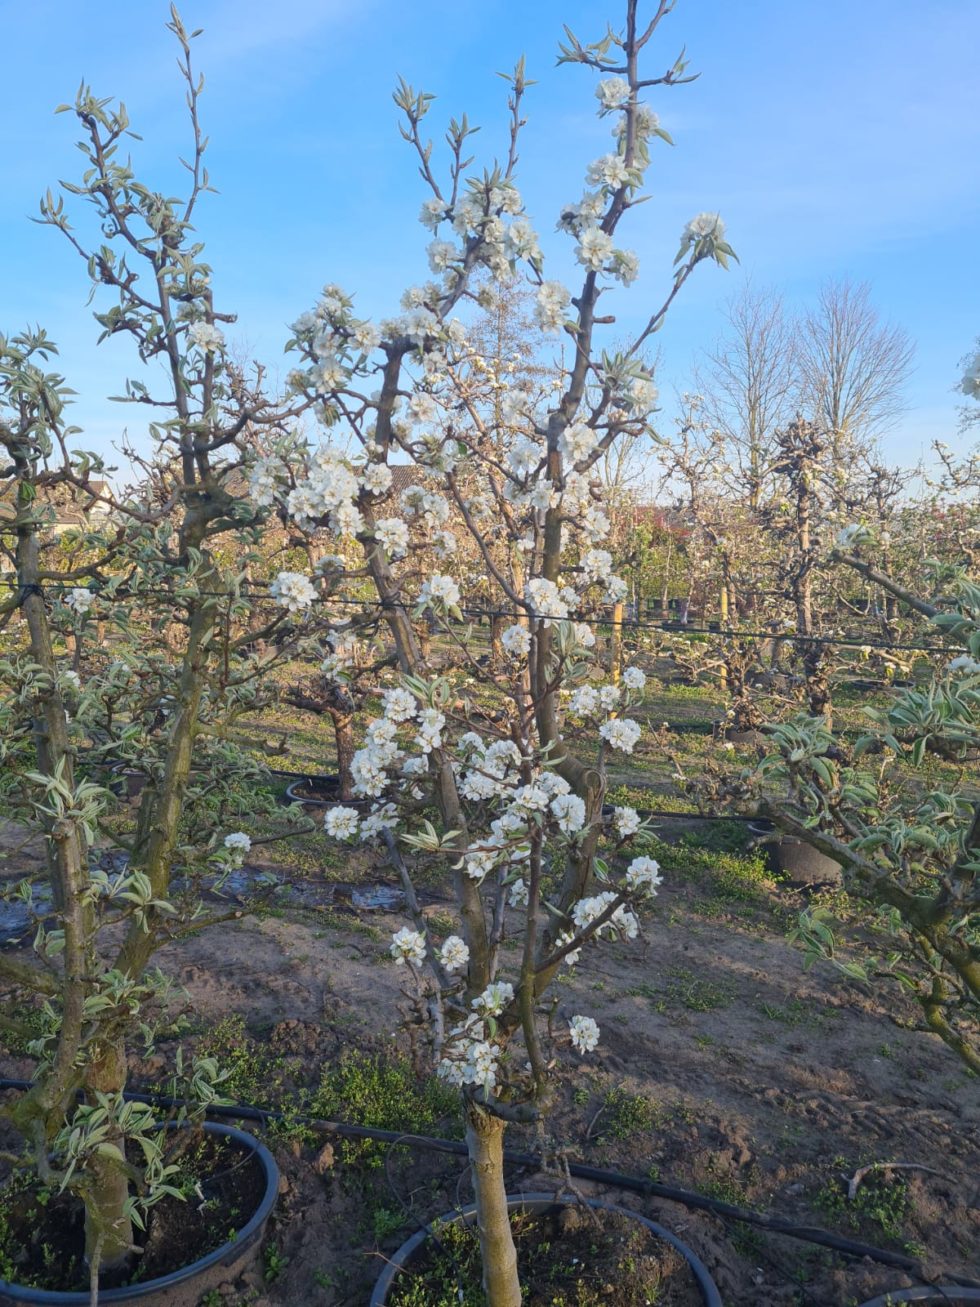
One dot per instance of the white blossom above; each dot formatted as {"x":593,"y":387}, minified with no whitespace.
{"x":376,"y":478}
{"x":634,"y":678}
{"x":644,"y":874}
{"x":439,"y":592}
{"x":704,"y":225}
{"x":375,"y":823}
{"x":516,"y":640}
{"x":341,"y":823}
{"x":238,"y":843}
{"x":206,"y":336}
{"x":544,"y":598}
{"x":293,"y":591}
{"x":584,"y":701}
{"x":620,"y":733}
{"x":408,"y":946}
{"x":577,"y":441}
{"x":569,"y":812}
{"x":584,"y":1033}
{"x":626,"y":821}
{"x":613,"y":92}
{"x":399,"y":705}
{"x":494,"y":998}
{"x":79,"y":600}
{"x":594,"y":248}
{"x":454,"y":954}
{"x":609,"y":171}
{"x":550,"y":304}
{"x":430,"y":722}
{"x":391,"y":534}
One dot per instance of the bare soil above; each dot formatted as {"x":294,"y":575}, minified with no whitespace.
{"x":722,"y":1066}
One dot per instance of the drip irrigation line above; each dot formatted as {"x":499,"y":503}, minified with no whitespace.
{"x":727,"y":635}
{"x":630,"y":1183}
{"x":643,"y":812}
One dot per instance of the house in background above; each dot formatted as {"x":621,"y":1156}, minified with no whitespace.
{"x":70,"y":506}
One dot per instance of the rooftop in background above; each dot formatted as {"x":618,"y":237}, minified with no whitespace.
{"x":72,"y":507}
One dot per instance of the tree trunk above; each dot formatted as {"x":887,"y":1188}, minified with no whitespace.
{"x":343,"y":729}
{"x":108,"y":1229}
{"x":485,"y":1141}
{"x":497,"y":625}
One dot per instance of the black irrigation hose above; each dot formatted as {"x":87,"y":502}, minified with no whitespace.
{"x":633,"y":1184}
{"x":627,"y":624}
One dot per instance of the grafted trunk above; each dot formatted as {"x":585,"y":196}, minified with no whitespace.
{"x":485,"y":1141}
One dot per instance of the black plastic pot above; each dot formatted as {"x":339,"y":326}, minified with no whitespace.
{"x":800,"y":863}
{"x":186,"y":1286}
{"x":751,"y":736}
{"x":540,"y":1204}
{"x":320,"y":792}
{"x":949,"y":1294}
{"x":127,"y":782}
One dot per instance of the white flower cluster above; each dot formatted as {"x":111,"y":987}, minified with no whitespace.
{"x":970,"y":384}
{"x":408,"y":946}
{"x":703,"y":225}
{"x":439,"y":593}
{"x":79,"y":600}
{"x":584,"y":1033}
{"x":293,"y":591}
{"x":622,"y":922}
{"x":577,"y":441}
{"x":620,"y":733}
{"x":207,"y":337}
{"x":341,"y":823}
{"x":589,"y":700}
{"x":238,"y":844}
{"x":516,"y":641}
{"x":545,"y":598}
{"x":643,"y":876}
{"x":626,"y":822}
{"x":551,"y":303}
{"x":469,"y":1058}
{"x":613,"y":93}
{"x":454,"y":954}
{"x":478,"y":220}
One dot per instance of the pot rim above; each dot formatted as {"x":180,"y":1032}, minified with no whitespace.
{"x":243,"y":1240}
{"x":540,"y":1203}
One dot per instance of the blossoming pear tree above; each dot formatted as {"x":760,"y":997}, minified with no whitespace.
{"x":499,"y":777}
{"x":158,"y":690}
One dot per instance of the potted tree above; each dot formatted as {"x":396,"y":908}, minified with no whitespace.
{"x":171,"y":671}
{"x":509,"y":803}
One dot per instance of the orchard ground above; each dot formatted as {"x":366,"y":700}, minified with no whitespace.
{"x":723,"y":1066}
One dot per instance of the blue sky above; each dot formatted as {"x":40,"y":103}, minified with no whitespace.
{"x":838,"y":139}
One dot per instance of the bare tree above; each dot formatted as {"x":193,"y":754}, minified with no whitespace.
{"x":852,"y":366}
{"x":747,"y":382}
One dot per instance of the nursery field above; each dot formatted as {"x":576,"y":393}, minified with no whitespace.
{"x":489,"y":808}
{"x":723,"y":1069}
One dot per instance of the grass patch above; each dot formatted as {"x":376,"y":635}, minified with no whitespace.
{"x":373,"y":1089}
